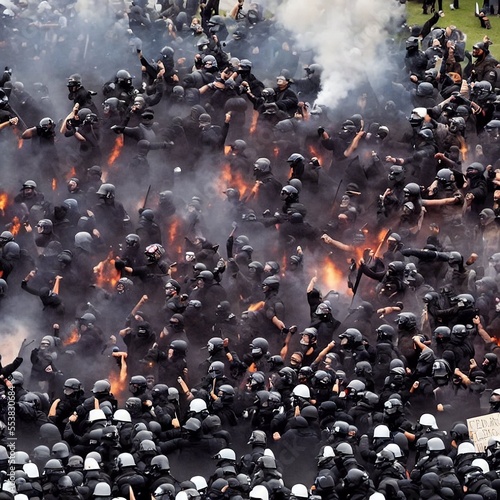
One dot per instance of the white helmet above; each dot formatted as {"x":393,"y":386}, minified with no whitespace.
{"x":301,"y":391}
{"x":300,"y":491}
{"x":95,"y":415}
{"x":91,"y":464}
{"x":31,"y":471}
{"x":464,"y":448}
{"x":197,"y":405}
{"x":102,"y":490}
{"x":200,"y":482}
{"x":259,"y":492}
{"x":122,"y":416}
{"x":381,"y":431}
{"x":395,"y":449}
{"x":226,"y":454}
{"x":428,"y":420}
{"x":482,"y":463}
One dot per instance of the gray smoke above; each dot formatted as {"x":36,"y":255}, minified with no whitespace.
{"x":348,"y":38}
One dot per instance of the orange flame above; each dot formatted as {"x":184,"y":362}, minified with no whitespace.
{"x":173,"y":232}
{"x":20,"y":143}
{"x":463,"y":150}
{"x":175,"y":239}
{"x":331,"y":277}
{"x":71,"y":173}
{"x":72,"y":338}
{"x":15,"y":226}
{"x":106,"y":274}
{"x":253,"y":123}
{"x":257,"y":306}
{"x":116,"y":151}
{"x":118,"y":381}
{"x":228,"y":178}
{"x":54,"y":184}
{"x":315,"y":153}
{"x":276,"y":151}
{"x":4,"y":199}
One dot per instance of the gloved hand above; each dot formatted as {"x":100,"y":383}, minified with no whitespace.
{"x":119,"y":265}
{"x":118,"y":129}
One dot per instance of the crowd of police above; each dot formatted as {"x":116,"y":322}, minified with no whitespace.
{"x":241,"y":293}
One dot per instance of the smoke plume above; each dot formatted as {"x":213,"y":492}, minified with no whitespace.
{"x":349,"y":39}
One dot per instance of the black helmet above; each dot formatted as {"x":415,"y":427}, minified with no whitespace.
{"x":268,"y":93}
{"x":215,"y":344}
{"x":426,"y":133}
{"x":295,"y":158}
{"x":106,"y":190}
{"x":45,"y":225}
{"x":74,"y":80}
{"x":352,"y":335}
{"x":425,"y":89}
{"x":412,"y":190}
{"x":209,"y":62}
{"x":215,"y":23}
{"x":288,"y":375}
{"x":445,"y":175}
{"x":259,"y":346}
{"x":5,"y":237}
{"x":112,"y":104}
{"x":460,"y":432}
{"x":481,"y":89}
{"x":274,"y":267}
{"x":179,"y":346}
{"x":396,"y":173}
{"x":123,"y":76}
{"x":289,"y":193}
{"x":160,"y":391}
{"x":442,"y":332}
{"x":258,"y":438}
{"x":87,"y":319}
{"x":206,"y":276}
{"x":457,"y":124}
{"x":167,"y":52}
{"x":31,"y":399}
{"x":73,"y":383}
{"x":139,"y":381}
{"x":411,"y":43}
{"x":385,"y":332}
{"x":132,"y":240}
{"x":245,"y":64}
{"x":431,"y":297}
{"x":406,"y":321}
{"x":459,"y":331}
{"x":101,"y":387}
{"x":464,"y":300}
{"x":154,"y":252}
{"x":262,"y":165}
{"x":322,"y":379}
{"x":46,"y":124}
{"x":271,"y":282}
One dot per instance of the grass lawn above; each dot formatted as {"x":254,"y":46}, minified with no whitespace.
{"x":463,"y":18}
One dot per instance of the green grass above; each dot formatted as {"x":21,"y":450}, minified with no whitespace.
{"x":464,"y":19}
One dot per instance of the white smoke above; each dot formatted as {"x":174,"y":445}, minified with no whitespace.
{"x":348,"y":37}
